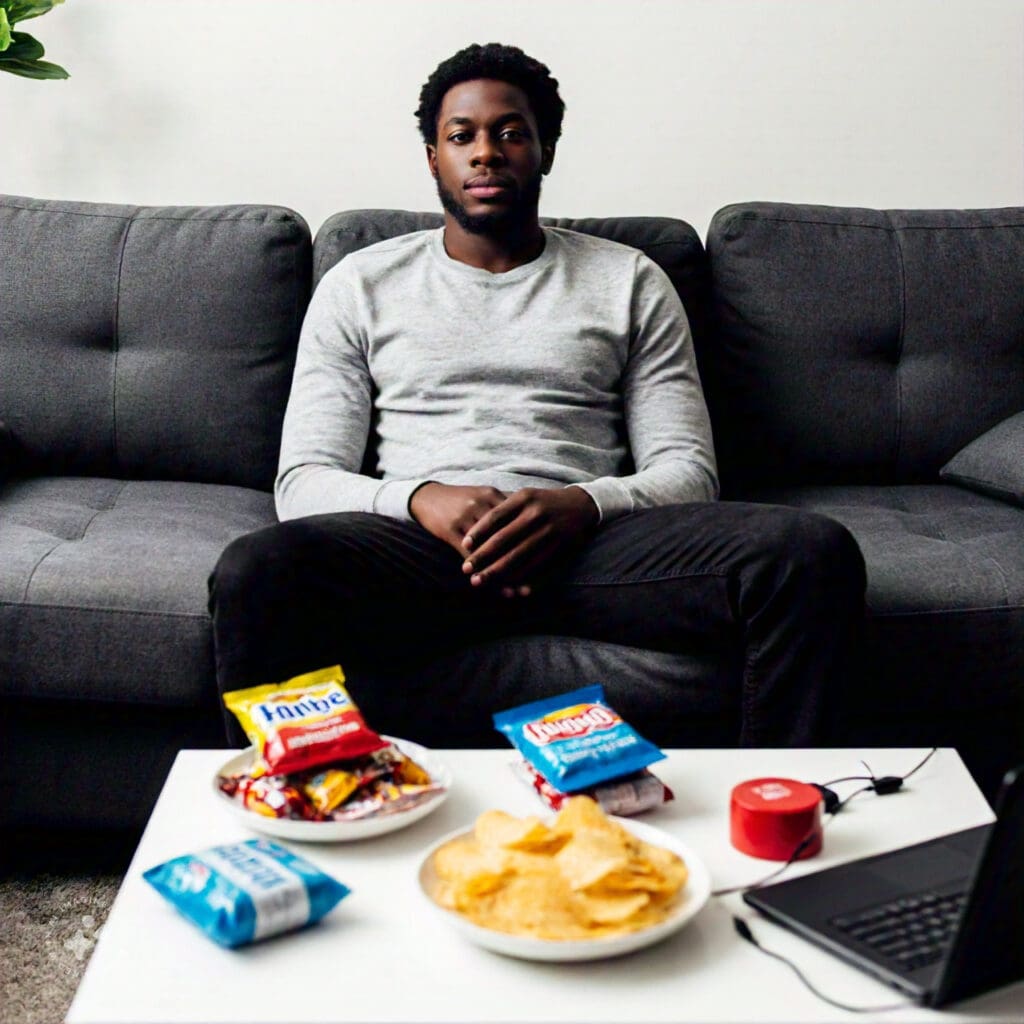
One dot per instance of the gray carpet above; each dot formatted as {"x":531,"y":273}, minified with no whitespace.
{"x":52,"y":907}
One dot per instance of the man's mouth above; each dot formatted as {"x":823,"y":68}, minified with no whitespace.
{"x":487,"y":187}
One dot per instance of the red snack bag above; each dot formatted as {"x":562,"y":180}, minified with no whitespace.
{"x":626,"y":795}
{"x":302,"y":723}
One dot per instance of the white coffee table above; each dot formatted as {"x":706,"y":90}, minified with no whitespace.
{"x":383,"y":955}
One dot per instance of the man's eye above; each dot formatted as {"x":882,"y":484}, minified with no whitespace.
{"x":460,"y":137}
{"x":512,"y":133}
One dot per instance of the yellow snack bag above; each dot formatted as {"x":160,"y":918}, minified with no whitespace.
{"x":302,"y":723}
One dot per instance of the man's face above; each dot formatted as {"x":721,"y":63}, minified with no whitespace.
{"x":488,"y":161}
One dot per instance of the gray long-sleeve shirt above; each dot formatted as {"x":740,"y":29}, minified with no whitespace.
{"x":575,"y":368}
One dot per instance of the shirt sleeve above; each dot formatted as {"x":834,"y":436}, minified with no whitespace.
{"x":667,"y":421}
{"x":328,"y":417}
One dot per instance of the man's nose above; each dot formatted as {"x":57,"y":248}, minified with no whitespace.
{"x":486,"y":151}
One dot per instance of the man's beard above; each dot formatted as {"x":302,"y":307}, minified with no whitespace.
{"x":509,"y":220}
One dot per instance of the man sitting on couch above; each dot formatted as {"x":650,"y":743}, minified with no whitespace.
{"x":544,"y":459}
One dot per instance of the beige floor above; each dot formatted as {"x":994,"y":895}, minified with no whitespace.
{"x":52,"y":908}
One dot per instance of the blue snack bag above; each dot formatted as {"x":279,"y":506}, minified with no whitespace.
{"x":576,"y":740}
{"x":242,"y":892}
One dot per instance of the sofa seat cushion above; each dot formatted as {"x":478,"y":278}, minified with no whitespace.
{"x":945,"y":595}
{"x":103,"y":585}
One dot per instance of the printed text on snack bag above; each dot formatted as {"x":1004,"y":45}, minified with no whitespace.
{"x":593,"y":719}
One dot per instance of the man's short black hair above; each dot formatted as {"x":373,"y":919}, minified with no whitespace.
{"x":504,"y":64}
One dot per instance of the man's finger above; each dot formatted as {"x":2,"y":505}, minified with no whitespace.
{"x":474,"y":511}
{"x":491,"y":521}
{"x":533,"y":550}
{"x":500,"y":543}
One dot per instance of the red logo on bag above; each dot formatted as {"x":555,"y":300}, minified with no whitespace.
{"x":570,"y":723}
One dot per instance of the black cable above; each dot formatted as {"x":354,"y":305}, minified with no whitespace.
{"x":922,"y":762}
{"x":871,"y":777}
{"x":743,"y":929}
{"x":801,"y":846}
{"x":883,"y":786}
{"x":794,"y":856}
{"x":842,"y":803}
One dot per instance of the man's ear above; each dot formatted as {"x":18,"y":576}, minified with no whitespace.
{"x":547,"y":158}
{"x":432,"y":160}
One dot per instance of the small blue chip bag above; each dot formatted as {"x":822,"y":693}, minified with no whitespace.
{"x":243,"y":892}
{"x":576,"y":740}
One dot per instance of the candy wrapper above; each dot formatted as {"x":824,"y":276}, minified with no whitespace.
{"x":243,"y":892}
{"x":576,"y":740}
{"x":384,"y":782}
{"x":302,"y":723}
{"x":631,"y":794}
{"x":270,"y":795}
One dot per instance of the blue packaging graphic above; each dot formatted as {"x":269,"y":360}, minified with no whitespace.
{"x":243,"y":892}
{"x":575,"y":740}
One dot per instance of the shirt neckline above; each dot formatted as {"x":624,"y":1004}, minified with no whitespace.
{"x":486,"y":276}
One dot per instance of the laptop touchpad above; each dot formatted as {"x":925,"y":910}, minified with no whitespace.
{"x":915,"y":872}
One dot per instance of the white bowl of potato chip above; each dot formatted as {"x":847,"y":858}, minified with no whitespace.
{"x":582,"y":886}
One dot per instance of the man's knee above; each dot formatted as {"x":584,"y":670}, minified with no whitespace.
{"x":261,"y":559}
{"x":833,"y":546}
{"x":816,"y":548}
{"x":302,"y":553}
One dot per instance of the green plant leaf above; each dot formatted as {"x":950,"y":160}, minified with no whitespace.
{"x":23,"y":47}
{"x":5,"y":31}
{"x":21,"y":10}
{"x":32,"y":68}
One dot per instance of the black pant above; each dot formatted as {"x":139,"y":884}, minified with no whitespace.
{"x":785,"y":587}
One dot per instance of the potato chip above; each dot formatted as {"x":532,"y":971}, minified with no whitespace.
{"x":584,"y":877}
{"x":535,"y":904}
{"x":612,"y":909}
{"x":581,"y":812}
{"x":668,"y":865}
{"x":496,"y":828}
{"x":469,"y":869}
{"x":591,"y":855}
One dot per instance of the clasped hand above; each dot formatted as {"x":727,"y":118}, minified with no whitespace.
{"x":505,"y":540}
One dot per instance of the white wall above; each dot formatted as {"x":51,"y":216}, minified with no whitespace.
{"x":674,"y":106}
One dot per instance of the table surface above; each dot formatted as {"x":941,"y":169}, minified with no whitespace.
{"x":384,"y":955}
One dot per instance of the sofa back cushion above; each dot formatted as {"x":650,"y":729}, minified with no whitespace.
{"x":149,"y":342}
{"x":673,"y":244}
{"x":859,"y":345}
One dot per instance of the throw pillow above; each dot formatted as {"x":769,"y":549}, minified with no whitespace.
{"x":993,"y":463}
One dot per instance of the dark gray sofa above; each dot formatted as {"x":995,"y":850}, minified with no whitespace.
{"x":855,"y":353}
{"x":145,"y":356}
{"x":145,"y":360}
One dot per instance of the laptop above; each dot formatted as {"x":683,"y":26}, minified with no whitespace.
{"x":940,"y":921}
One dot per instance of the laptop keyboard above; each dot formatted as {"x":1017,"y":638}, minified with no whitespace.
{"x":913,"y":931}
